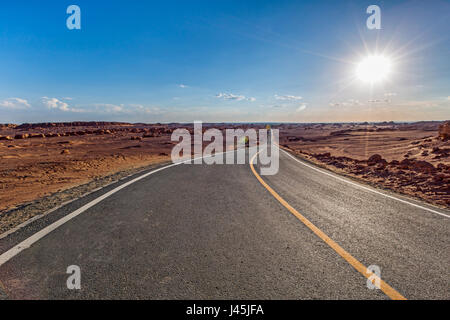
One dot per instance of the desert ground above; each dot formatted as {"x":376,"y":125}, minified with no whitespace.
{"x":409,"y":158}
{"x":46,"y":164}
{"x":41,"y":161}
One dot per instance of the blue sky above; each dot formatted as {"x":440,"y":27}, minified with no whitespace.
{"x":222,"y":61}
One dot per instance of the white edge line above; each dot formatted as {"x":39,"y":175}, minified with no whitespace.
{"x":365,"y":188}
{"x":36,"y":217}
{"x":25,"y":244}
{"x":42,"y":215}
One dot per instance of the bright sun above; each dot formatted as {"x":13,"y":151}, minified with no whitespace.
{"x":373,"y":69}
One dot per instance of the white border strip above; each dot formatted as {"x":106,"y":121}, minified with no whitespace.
{"x":365,"y":188}
{"x":42,"y":215}
{"x":8,"y":255}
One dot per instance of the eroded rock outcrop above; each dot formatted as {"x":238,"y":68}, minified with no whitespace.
{"x":444,"y":131}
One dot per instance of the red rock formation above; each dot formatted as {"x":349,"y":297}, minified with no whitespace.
{"x":21,"y":136}
{"x":444,"y":131}
{"x":37,"y":135}
{"x":376,"y":159}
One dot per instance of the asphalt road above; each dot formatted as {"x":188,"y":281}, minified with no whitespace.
{"x":215,"y":232}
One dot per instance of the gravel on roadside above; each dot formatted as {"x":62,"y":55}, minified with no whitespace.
{"x":31,"y":210}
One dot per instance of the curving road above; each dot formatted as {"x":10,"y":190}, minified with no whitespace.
{"x":216,"y":232}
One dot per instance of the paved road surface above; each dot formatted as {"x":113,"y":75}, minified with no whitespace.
{"x":214,"y":232}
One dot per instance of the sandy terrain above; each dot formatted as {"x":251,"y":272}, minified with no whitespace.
{"x":44,"y":165}
{"x":54,"y":158}
{"x":412,"y":159}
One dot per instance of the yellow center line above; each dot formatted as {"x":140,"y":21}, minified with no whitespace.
{"x":387,"y":289}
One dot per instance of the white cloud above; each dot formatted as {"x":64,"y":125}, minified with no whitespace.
{"x":230,"y":96}
{"x":348,"y":103}
{"x":123,"y":109}
{"x":183,"y":86}
{"x":357,"y":103}
{"x":288,"y":98}
{"x":54,"y":103}
{"x":100,"y":108}
{"x":138,"y":108}
{"x":422,"y":104}
{"x":108,"y":107}
{"x":379,"y":101}
{"x":14,"y":103}
{"x":301,"y":107}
